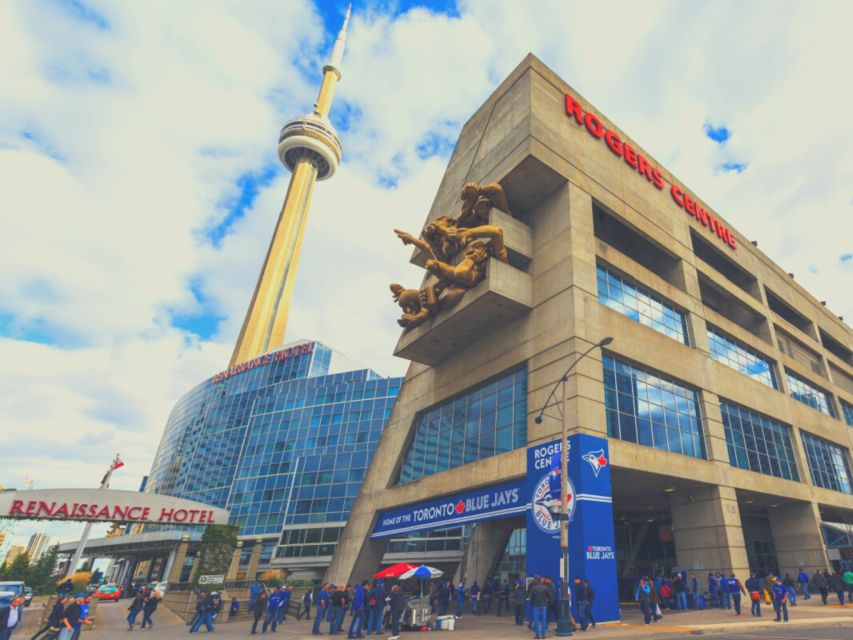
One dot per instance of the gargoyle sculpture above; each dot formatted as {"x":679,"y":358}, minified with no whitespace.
{"x":444,"y":239}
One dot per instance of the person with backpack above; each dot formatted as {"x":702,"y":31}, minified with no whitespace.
{"x":375,"y":606}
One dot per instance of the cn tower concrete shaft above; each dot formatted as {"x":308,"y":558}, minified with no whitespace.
{"x":310,"y":148}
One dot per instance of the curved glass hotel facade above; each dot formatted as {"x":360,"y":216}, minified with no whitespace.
{"x":283,"y":443}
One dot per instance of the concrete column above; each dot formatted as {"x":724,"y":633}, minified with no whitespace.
{"x":174,"y":574}
{"x":234,"y":567}
{"x":707,"y":527}
{"x":797,"y":537}
{"x":366,"y":556}
{"x":170,"y":562}
{"x":254,"y":560}
{"x":487,"y":544}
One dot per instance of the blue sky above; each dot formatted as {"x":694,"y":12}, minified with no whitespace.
{"x":141,"y":183}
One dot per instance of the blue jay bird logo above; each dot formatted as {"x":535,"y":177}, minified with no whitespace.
{"x":596,"y":460}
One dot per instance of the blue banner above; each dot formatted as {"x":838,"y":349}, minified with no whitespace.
{"x":486,"y":503}
{"x":592,"y":551}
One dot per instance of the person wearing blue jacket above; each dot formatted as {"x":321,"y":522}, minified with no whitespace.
{"x":272,"y":610}
{"x":359,"y":610}
{"x":460,"y":599}
{"x":375,"y":606}
{"x":284,"y":603}
{"x":803,"y":579}
{"x":714,"y":591}
{"x":322,"y":607}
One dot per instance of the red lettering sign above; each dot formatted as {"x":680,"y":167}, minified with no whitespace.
{"x":260,"y":361}
{"x":642,"y":166}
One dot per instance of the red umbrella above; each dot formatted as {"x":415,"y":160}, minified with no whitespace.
{"x":395,"y":571}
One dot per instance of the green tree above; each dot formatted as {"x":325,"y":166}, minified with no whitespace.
{"x":19,"y":569}
{"x":44,"y":572}
{"x":217,"y":548}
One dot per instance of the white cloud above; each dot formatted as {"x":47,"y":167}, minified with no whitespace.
{"x":136,"y":135}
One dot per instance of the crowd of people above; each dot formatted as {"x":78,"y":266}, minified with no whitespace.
{"x":682,"y":591}
{"x":66,"y":618}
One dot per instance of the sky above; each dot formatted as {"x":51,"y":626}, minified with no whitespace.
{"x":141,"y":185}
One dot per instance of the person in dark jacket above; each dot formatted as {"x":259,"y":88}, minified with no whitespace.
{"x":821,"y":584}
{"x":396,"y":605}
{"x":836,"y":583}
{"x":199,"y":599}
{"x":540,"y":597}
{"x":149,"y":607}
{"x":517,"y":598}
{"x":134,"y":608}
{"x":306,"y":606}
{"x":205,"y":608}
{"x":444,"y":598}
{"x":53,"y":619}
{"x":259,"y":607}
{"x":753,"y":588}
{"x":590,"y":596}
{"x":579,"y":600}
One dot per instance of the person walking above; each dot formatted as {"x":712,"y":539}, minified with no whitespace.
{"x":517,"y":598}
{"x":271,"y":618}
{"x":375,"y":606}
{"x":197,"y":615}
{"x":821,"y":584}
{"x":359,"y":610}
{"x":753,"y":587}
{"x":540,"y":597}
{"x":396,"y":606}
{"x":54,"y":618}
{"x":836,"y":583}
{"x":135,"y":607}
{"x":803,"y":579}
{"x":149,"y":607}
{"x":206,"y":615}
{"x":590,"y":597}
{"x":735,"y":589}
{"x":284,"y":602}
{"x":70,"y":617}
{"x":579,"y":601}
{"x":306,"y":606}
{"x":780,"y":599}
{"x":259,"y":608}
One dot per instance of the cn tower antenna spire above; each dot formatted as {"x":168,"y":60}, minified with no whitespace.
{"x":310,"y":148}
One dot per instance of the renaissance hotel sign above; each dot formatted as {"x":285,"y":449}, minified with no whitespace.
{"x":641,"y":165}
{"x":107,"y":505}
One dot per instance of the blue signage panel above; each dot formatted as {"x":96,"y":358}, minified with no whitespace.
{"x":592,"y":551}
{"x":486,"y":503}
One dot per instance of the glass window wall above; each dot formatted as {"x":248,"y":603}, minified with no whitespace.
{"x":757,"y":443}
{"x":828,"y":463}
{"x":809,"y":394}
{"x":739,"y":357}
{"x":651,"y":410}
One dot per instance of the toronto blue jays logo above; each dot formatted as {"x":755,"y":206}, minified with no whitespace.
{"x":596,"y":460}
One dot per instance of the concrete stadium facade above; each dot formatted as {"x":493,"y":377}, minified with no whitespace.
{"x":726,"y":397}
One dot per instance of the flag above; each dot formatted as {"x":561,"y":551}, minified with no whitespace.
{"x":116,"y":464}
{"x":555,"y":487}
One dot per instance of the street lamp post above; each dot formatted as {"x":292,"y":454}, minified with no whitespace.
{"x":564,"y":625}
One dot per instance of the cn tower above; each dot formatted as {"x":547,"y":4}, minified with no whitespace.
{"x":310,"y":148}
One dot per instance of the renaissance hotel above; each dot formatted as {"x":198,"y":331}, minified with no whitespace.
{"x":712,"y":433}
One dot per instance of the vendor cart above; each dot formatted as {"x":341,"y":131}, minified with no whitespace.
{"x":417,"y":613}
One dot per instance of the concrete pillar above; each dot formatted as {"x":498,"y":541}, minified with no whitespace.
{"x":797,"y":537}
{"x":254,"y":560}
{"x":366,"y":556}
{"x":487,"y":544}
{"x":707,"y":528}
{"x":174,"y":574}
{"x":234,"y":567}
{"x":170,"y":562}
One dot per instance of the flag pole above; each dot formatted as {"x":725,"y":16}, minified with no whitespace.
{"x":81,"y":546}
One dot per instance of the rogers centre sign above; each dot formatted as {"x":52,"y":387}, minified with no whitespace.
{"x":107,"y":505}
{"x":267,"y":358}
{"x":641,"y":165}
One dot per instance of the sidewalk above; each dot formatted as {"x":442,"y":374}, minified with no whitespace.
{"x":110,"y":624}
